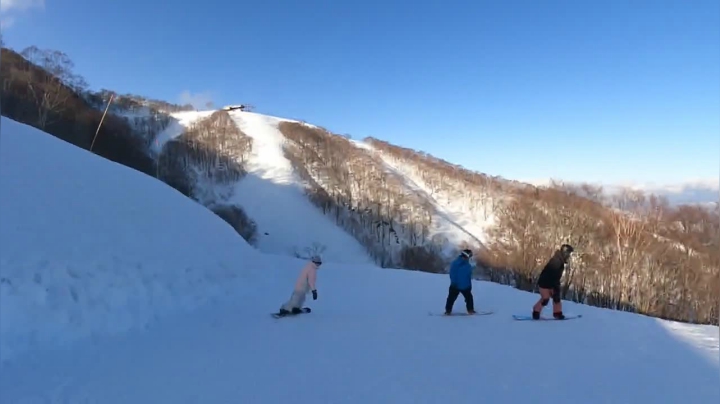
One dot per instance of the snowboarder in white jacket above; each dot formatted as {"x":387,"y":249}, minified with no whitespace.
{"x":306,"y":282}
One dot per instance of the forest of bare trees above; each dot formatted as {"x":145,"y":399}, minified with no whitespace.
{"x":147,"y":118}
{"x":133,"y":103}
{"x":205,"y":162}
{"x":635,"y":252}
{"x":473,"y":192}
{"x":348,"y":184}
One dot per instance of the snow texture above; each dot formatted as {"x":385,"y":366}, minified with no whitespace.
{"x":90,"y":246}
{"x":115,"y":288}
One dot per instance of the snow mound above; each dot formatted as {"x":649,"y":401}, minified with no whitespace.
{"x":91,"y":247}
{"x":272,"y":195}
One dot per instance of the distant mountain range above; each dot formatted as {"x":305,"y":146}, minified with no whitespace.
{"x":704,"y":192}
{"x":691,"y":192}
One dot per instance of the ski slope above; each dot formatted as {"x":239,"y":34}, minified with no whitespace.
{"x":272,"y":195}
{"x":451,"y":224}
{"x":456,"y":221}
{"x":114,"y":288}
{"x":288,"y":224}
{"x":352,"y":349}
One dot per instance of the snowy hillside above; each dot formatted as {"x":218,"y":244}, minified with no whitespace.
{"x":458,"y":219}
{"x":90,"y":246}
{"x":181,"y":120}
{"x":291,"y":189}
{"x":114,"y":288}
{"x":272,"y":196}
{"x":276,"y":197}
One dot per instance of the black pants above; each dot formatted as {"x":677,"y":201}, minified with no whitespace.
{"x":453,"y":294}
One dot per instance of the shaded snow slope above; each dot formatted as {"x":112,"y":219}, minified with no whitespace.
{"x":273,"y":196}
{"x":90,"y":247}
{"x":375,"y":343}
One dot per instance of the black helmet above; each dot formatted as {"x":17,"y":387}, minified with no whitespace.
{"x":566,"y":249}
{"x":466,"y":253}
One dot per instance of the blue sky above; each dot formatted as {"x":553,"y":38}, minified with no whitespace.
{"x":610,"y":91}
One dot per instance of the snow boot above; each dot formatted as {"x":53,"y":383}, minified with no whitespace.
{"x":536,"y":315}
{"x":559,"y":315}
{"x":296,"y":310}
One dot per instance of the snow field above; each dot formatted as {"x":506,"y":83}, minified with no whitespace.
{"x":371,"y":343}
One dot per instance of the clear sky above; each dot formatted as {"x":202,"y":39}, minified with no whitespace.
{"x":611,"y":91}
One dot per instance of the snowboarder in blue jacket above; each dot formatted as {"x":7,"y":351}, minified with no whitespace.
{"x":461,"y":282}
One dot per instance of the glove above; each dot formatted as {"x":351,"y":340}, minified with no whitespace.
{"x":314,"y":292}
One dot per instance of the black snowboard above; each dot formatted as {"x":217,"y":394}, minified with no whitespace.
{"x":305,"y":310}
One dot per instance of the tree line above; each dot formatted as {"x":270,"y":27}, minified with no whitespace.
{"x":635,"y":251}
{"x":40,"y":88}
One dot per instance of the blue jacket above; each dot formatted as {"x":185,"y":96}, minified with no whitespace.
{"x":461,"y":273}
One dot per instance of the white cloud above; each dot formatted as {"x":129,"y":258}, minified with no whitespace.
{"x":197,"y":100}
{"x":21,"y":5}
{"x":10,"y":8}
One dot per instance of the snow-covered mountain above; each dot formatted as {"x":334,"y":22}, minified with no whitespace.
{"x":116,"y":288}
{"x":307,"y":190}
{"x":384,"y":205}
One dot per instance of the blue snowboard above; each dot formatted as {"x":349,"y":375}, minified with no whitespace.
{"x":526,"y":318}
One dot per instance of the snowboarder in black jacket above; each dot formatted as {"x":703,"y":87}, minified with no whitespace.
{"x":549,"y":282}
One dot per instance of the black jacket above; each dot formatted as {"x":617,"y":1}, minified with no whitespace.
{"x":553,"y":271}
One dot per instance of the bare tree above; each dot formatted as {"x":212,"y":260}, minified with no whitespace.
{"x":49,"y":92}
